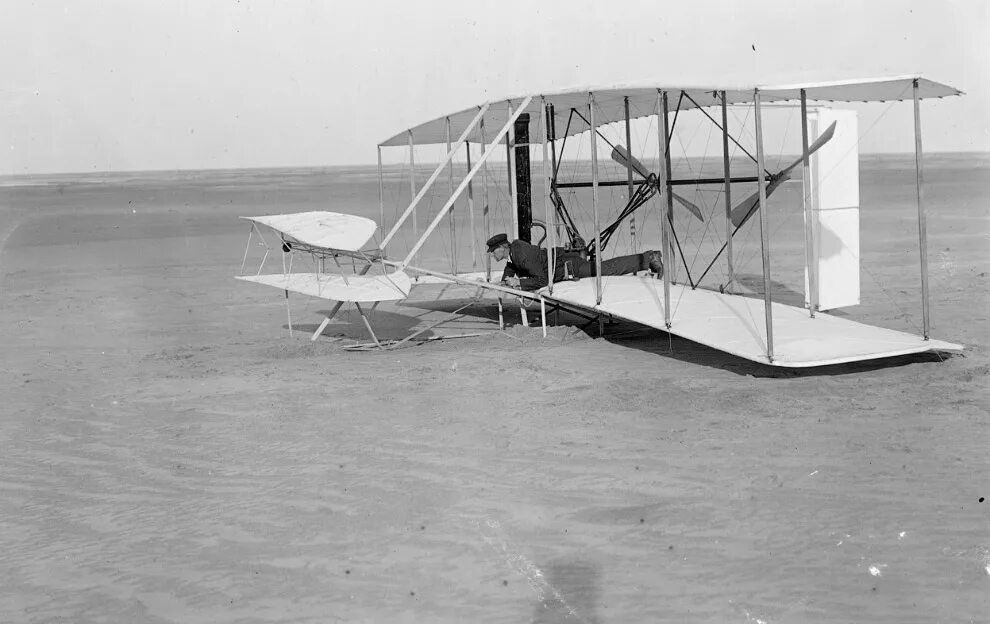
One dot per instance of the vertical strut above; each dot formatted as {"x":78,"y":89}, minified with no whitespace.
{"x":510,"y":143}
{"x":450,"y":217}
{"x":922,"y":225}
{"x":285,"y":271}
{"x":552,"y":136}
{"x":594,"y":199}
{"x":485,"y":211}
{"x":523,"y":177}
{"x":764,"y":228}
{"x":470,"y":200}
{"x":663,"y":139}
{"x":671,"y":265}
{"x":728,"y":192}
{"x":381,"y":194}
{"x":629,"y":175}
{"x":412,"y":181}
{"x":809,"y":234}
{"x":551,"y":240}
{"x":551,"y":139}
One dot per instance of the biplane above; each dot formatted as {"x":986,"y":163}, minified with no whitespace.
{"x":729,"y":316}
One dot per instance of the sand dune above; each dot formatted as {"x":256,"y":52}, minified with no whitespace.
{"x":170,"y":454}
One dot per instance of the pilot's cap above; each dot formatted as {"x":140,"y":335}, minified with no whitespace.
{"x":496,"y":241}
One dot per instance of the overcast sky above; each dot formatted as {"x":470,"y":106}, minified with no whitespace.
{"x":120,"y":85}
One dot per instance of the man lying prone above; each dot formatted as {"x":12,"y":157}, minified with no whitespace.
{"x":527,"y":263}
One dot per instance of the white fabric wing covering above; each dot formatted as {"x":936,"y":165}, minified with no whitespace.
{"x":736,"y":324}
{"x":335,"y":287}
{"x":328,"y":230}
{"x":610,"y":101}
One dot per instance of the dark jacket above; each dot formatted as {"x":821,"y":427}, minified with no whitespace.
{"x":529,"y":263}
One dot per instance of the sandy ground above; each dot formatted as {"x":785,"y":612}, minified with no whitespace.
{"x":169,"y":454}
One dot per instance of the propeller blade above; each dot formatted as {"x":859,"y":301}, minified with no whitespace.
{"x":622,"y":156}
{"x":693,"y":209}
{"x":814,"y":147}
{"x":747,"y":208}
{"x":742,"y":212}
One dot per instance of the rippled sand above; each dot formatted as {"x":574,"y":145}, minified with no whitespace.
{"x":168,"y":453}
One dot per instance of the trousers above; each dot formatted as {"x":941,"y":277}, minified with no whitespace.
{"x":576,"y":266}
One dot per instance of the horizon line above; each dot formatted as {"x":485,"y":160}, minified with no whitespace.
{"x":8,"y":176}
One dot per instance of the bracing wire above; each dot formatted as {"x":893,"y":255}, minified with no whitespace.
{"x":749,"y":253}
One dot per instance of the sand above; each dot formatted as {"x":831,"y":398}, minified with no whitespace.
{"x":169,"y":454}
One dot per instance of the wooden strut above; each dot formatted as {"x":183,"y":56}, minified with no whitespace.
{"x":671,"y":267}
{"x":450,"y":217}
{"x":764,"y":228}
{"x":510,"y":144}
{"x":340,"y":268}
{"x":413,"y":335}
{"x":594,"y":201}
{"x":728,"y":192}
{"x":263,"y":258}
{"x":551,"y":232}
{"x":412,"y":193}
{"x":417,"y":197}
{"x":381,"y":190}
{"x":288,"y":307}
{"x":550,"y":181}
{"x":368,"y":325}
{"x":474,"y":170}
{"x":629,"y":174}
{"x":594,"y":198}
{"x":663,"y":139}
{"x":485,"y":212}
{"x":551,"y":138}
{"x":288,"y":312}
{"x":809,"y":235}
{"x":470,"y":201}
{"x":264,"y":243}
{"x":543,"y":315}
{"x":388,"y":346}
{"x":323,"y":325}
{"x":922,"y":225}
{"x":247,"y":248}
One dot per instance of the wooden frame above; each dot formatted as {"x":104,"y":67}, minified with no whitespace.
{"x":764,"y":227}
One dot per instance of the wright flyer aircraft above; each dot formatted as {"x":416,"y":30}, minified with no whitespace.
{"x":604,"y":192}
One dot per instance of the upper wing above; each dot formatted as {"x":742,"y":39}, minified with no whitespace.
{"x":329,"y":230}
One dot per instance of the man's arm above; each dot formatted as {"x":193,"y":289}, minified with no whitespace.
{"x":509,"y":271}
{"x":532,"y":283}
{"x":529,"y":262}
